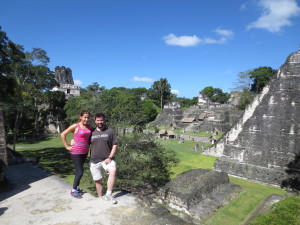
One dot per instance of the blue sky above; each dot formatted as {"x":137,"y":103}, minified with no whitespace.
{"x":131,"y":43}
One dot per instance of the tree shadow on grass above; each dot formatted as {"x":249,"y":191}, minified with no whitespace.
{"x":55,"y":160}
{"x":293,"y":171}
{"x":28,"y":139}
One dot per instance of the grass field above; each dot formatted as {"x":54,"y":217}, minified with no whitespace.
{"x":55,"y":158}
{"x":239,"y":209}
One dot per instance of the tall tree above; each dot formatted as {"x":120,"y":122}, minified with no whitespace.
{"x":41,"y":77}
{"x":243,"y":81}
{"x":260,"y":77}
{"x":24,"y":76}
{"x":160,"y":91}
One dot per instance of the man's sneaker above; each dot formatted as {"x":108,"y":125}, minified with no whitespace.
{"x":110,"y":198}
{"x":76,"y":194}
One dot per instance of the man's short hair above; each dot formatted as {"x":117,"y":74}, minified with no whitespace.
{"x":98,"y":115}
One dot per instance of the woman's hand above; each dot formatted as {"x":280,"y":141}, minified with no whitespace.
{"x":70,"y":148}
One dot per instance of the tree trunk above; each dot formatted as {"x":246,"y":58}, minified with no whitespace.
{"x":16,"y":128}
{"x":36,"y":117}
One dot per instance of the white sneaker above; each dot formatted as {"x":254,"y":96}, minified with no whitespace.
{"x":110,"y":198}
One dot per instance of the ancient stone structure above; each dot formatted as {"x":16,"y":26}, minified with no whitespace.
{"x":222,"y":119}
{"x":172,"y":105}
{"x":198,"y":192}
{"x":264,"y":144}
{"x":64,"y":77}
{"x":3,"y":152}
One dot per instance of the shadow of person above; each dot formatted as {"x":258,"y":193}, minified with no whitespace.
{"x":2,"y":210}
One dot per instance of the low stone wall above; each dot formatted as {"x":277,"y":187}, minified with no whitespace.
{"x":192,"y":138}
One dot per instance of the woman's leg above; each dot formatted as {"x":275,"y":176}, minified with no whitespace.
{"x":78,"y":161}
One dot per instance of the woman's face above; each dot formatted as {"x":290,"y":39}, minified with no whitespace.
{"x":85,"y":118}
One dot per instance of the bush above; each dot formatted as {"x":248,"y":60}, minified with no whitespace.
{"x":285,"y":212}
{"x":143,"y":164}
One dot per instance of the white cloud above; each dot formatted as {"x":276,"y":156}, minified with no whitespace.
{"x":77,"y":82}
{"x":275,"y":14}
{"x":183,"y":41}
{"x":176,"y":92}
{"x":223,"y":32}
{"x":142,"y":79}
{"x":188,"y":41}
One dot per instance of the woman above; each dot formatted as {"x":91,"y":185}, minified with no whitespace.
{"x":79,"y":148}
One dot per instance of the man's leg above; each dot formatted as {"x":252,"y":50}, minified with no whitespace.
{"x":99,"y":187}
{"x":111,"y":179}
{"x":110,"y":184}
{"x":95,"y":169}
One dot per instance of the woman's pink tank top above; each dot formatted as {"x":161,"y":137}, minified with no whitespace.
{"x":81,"y":141}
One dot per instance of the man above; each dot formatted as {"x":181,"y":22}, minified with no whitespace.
{"x":103,"y":148}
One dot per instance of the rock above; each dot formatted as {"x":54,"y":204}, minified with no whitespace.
{"x":198,"y":192}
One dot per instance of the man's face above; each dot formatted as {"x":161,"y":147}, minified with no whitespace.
{"x":100,"y":122}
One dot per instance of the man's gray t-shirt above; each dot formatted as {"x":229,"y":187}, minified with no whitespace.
{"x":101,"y":144}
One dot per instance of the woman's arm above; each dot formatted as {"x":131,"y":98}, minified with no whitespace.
{"x":70,"y":129}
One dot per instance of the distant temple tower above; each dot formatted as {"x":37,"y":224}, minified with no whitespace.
{"x":64,"y":77}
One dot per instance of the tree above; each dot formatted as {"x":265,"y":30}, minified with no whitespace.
{"x":150,"y":110}
{"x":95,"y":88}
{"x":152,"y":162}
{"x":41,"y":78}
{"x":25,"y":76}
{"x":216,"y":94}
{"x":186,"y":102}
{"x":243,"y":82}
{"x":261,"y":77}
{"x":209,"y":91}
{"x":250,"y":83}
{"x":160,"y":91}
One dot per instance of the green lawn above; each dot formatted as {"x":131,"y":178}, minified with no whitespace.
{"x":55,"y":158}
{"x":240,"y":208}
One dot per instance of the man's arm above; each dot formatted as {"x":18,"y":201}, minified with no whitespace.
{"x":113,"y":151}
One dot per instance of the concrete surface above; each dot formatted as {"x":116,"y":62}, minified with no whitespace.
{"x":38,"y":197}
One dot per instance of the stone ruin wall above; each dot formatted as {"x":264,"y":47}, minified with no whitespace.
{"x":264,"y":144}
{"x":3,"y":152}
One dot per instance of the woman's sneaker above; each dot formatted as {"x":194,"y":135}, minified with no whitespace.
{"x":76,"y":194}
{"x":110,"y":199}
{"x":80,"y":191}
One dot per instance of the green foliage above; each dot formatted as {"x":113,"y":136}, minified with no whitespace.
{"x":95,"y":88}
{"x":143,"y":164}
{"x":122,"y":106}
{"x":216,"y":94}
{"x":24,"y":78}
{"x":251,"y":82}
{"x":186,"y":102}
{"x":150,"y":110}
{"x":285,"y":212}
{"x":160,"y":92}
{"x":261,"y":77}
{"x":246,"y":98}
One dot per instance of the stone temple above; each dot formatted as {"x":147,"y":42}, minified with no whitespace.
{"x":264,"y":145}
{"x":64,"y":77}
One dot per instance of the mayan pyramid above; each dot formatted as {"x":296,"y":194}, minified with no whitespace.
{"x":264,"y":145}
